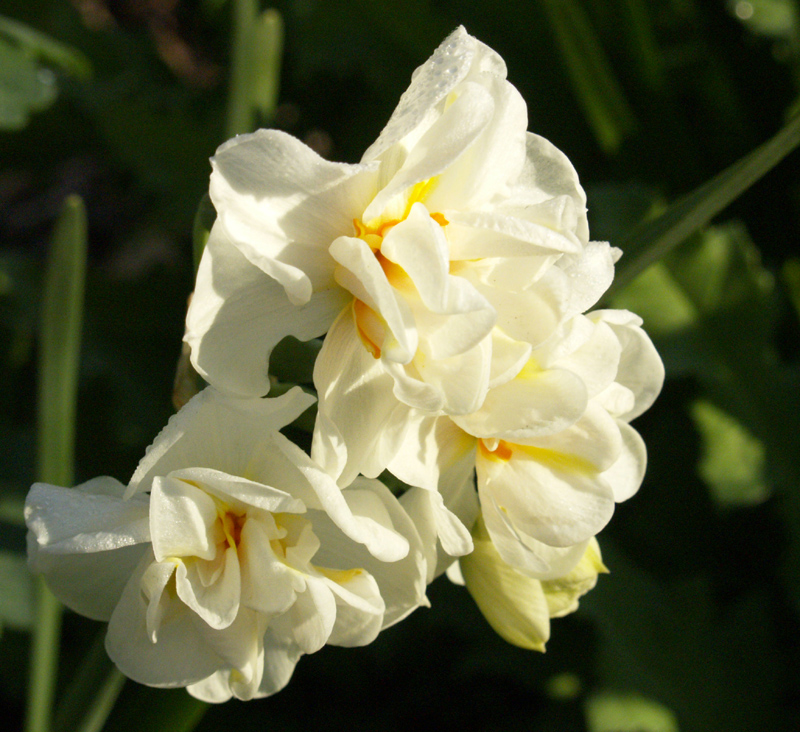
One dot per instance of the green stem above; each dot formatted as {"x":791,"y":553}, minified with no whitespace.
{"x":59,"y":350}
{"x":103,"y":703}
{"x":240,"y":110}
{"x":44,"y":660}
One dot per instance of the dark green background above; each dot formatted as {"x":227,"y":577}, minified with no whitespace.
{"x":700,"y":611}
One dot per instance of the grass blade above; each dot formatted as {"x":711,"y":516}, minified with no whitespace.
{"x":652,"y":239}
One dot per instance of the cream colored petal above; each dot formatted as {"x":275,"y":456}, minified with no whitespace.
{"x":217,"y":432}
{"x":238,"y":314}
{"x":430,"y":84}
{"x":269,"y":586}
{"x":640,"y":369}
{"x":626,"y":474}
{"x":361,"y":274}
{"x":478,"y":234}
{"x":358,"y":413}
{"x":524,"y":553}
{"x":552,"y":497}
{"x":402,"y":583}
{"x":180,"y":657}
{"x":91,"y":517}
{"x":534,"y":403}
{"x":216,"y":602}
{"x":282,"y":205}
{"x":450,"y":137}
{"x":183,"y":520}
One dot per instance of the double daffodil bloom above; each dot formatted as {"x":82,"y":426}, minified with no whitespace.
{"x":229,"y":555}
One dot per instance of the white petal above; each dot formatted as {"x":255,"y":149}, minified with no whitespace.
{"x":310,"y":620}
{"x":626,"y":474}
{"x":525,"y":554}
{"x":183,"y":520}
{"x":280,"y":657}
{"x":402,"y":583}
{"x":495,"y":159}
{"x":508,"y":357}
{"x":530,"y":296}
{"x":590,"y":275}
{"x":282,"y":205}
{"x":241,"y":492}
{"x":218,"y":602}
{"x":595,"y":361}
{"x":180,"y":657}
{"x":430,"y":84}
{"x":478,"y":234}
{"x":89,"y":518}
{"x":448,"y":138}
{"x":218,"y":432}
{"x":383,"y":543}
{"x":549,"y":174}
{"x":88,"y":583}
{"x":640,"y":368}
{"x":594,"y":440}
{"x":238,"y":314}
{"x":536,"y":402}
{"x":357,"y":410}
{"x":359,"y":611}
{"x":268,"y":584}
{"x":361,"y":274}
{"x":554,"y":498}
{"x":454,"y":385}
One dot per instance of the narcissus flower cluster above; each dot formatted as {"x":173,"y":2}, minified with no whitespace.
{"x":452,"y":277}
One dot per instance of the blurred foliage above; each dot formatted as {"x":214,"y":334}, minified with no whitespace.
{"x":696,"y":626}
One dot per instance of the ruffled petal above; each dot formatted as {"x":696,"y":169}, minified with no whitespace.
{"x":238,"y":314}
{"x":555,"y":498}
{"x":626,"y":474}
{"x":536,"y":402}
{"x":217,"y":432}
{"x":402,"y":583}
{"x":640,"y":368}
{"x":183,"y":520}
{"x":92,"y":517}
{"x":360,"y":422}
{"x":281,"y":204}
{"x":180,"y":657}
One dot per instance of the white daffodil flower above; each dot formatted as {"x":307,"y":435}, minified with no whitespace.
{"x":456,"y":220}
{"x":229,"y":555}
{"x":545,"y":484}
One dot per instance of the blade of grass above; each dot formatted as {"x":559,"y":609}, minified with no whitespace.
{"x":59,"y":347}
{"x":652,"y":239}
{"x":609,"y":114}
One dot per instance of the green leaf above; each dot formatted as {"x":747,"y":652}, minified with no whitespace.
{"x":24,"y":87}
{"x":16,"y":591}
{"x":732,"y":461}
{"x":27,"y":85}
{"x":717,"y":273}
{"x":593,"y":79}
{"x":653,"y":239}
{"x":41,"y":46}
{"x":59,"y":351}
{"x":610,"y":712}
{"x":60,"y":337}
